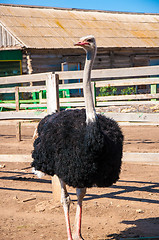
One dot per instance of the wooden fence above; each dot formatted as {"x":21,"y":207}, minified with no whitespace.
{"x":50,"y":85}
{"x":112,"y":77}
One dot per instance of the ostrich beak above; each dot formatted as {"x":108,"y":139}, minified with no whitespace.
{"x":81,"y":44}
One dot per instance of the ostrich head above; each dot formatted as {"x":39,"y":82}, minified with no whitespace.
{"x":88,"y":43}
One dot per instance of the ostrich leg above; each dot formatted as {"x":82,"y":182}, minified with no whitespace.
{"x":65,"y":200}
{"x":78,"y":218}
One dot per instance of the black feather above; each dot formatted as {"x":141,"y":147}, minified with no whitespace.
{"x":81,"y":155}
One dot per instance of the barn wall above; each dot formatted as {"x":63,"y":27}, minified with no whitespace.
{"x":38,"y":61}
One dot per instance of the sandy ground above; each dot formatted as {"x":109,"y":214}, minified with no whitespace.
{"x":127,"y":209}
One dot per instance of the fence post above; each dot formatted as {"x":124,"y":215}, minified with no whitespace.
{"x":153,"y":90}
{"x":18,"y":124}
{"x":52,"y":85}
{"x":17,"y":98}
{"x":18,"y":131}
{"x":40,"y":96}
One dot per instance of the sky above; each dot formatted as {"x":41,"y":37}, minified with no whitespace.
{"x":142,"y":6}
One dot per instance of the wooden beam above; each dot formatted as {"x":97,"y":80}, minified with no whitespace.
{"x":127,"y":97}
{"x":17,"y":98}
{"x":24,"y":78}
{"x":72,"y":99}
{"x":151,"y":158}
{"x":52,"y":85}
{"x":126,"y":103}
{"x":127,"y":82}
{"x":21,"y":115}
{"x":134,"y":117}
{"x":119,"y":82}
{"x":71,"y":86}
{"x":133,"y":157}
{"x":72,"y":104}
{"x":31,"y":105}
{"x":15,"y":158}
{"x":112,"y":73}
{"x":138,"y":123}
{"x":23,"y":89}
{"x":153,"y":89}
{"x":18,"y":125}
{"x":18,"y":131}
{"x":8,"y":105}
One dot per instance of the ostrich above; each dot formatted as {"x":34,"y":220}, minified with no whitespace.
{"x":79,"y":146}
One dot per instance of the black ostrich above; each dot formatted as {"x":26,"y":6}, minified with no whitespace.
{"x":81,"y":147}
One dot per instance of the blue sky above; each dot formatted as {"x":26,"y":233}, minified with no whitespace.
{"x":148,"y":6}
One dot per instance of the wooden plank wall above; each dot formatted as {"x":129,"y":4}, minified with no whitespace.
{"x":39,"y":61}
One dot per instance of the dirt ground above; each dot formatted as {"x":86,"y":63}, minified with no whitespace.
{"x":127,"y":209}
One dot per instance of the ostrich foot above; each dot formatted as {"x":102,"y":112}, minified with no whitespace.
{"x":76,"y":237}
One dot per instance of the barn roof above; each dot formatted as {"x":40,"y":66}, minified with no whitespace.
{"x":43,"y":27}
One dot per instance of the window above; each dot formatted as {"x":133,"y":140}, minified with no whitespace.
{"x":10,"y":68}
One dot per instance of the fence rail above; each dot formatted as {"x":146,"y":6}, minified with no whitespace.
{"x":112,"y":73}
{"x":113,"y":77}
{"x":25,"y":78}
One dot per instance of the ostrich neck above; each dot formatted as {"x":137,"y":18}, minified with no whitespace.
{"x":89,"y":103}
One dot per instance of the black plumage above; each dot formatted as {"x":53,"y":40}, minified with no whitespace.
{"x":80,"y":154}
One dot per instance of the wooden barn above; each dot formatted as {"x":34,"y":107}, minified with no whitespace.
{"x":40,"y":39}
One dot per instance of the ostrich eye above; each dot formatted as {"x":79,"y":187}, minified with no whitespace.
{"x":89,"y":40}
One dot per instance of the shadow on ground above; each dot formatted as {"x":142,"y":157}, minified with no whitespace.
{"x":146,"y":229}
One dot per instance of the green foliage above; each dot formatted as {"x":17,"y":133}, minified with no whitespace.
{"x":111,"y":91}
{"x":108,"y":91}
{"x":128,"y":91}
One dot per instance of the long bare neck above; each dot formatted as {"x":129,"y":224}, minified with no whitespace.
{"x":89,"y":103}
